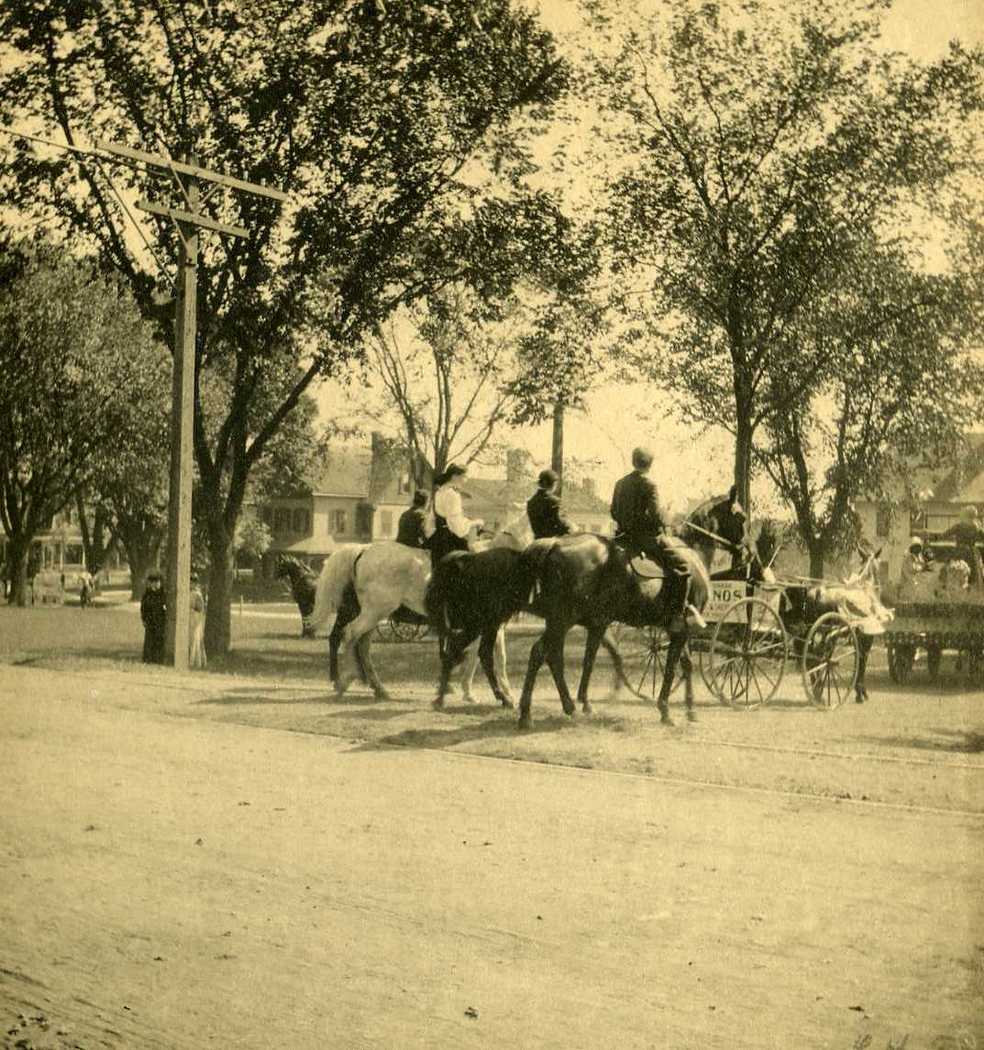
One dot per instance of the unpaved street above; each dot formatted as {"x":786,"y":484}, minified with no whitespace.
{"x":184,"y":882}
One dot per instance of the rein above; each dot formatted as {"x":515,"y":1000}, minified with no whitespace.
{"x":712,"y":535}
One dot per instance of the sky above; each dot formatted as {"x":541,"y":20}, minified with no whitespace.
{"x":691,"y":464}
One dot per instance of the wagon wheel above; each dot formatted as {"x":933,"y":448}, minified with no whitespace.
{"x":830,"y":661}
{"x":405,"y":631}
{"x":934,"y":655}
{"x":748,"y":654}
{"x":900,"y":660}
{"x":643,"y":651}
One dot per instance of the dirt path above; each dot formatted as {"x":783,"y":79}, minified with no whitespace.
{"x":174,"y":882}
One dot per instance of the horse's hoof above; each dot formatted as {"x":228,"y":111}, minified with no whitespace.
{"x":570,"y":709}
{"x":382,"y":696}
{"x":506,"y":702}
{"x":525,"y":722}
{"x":586,"y":708}
{"x":664,"y":718}
{"x":438,"y":704}
{"x":468,"y":699}
{"x":691,"y":716}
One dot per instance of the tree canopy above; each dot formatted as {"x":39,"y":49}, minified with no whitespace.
{"x":750,"y":143}
{"x":400,"y":132}
{"x":76,"y":363}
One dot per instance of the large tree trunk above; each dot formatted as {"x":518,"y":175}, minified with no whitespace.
{"x":818,"y":554}
{"x":557,"y":449}
{"x":98,"y":539}
{"x":142,"y":547}
{"x":218,"y":617}
{"x":743,"y":459}
{"x":18,"y":548}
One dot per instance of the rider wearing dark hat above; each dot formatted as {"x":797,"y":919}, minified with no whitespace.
{"x":543,"y":508}
{"x":635,"y":508}
{"x":410,"y":529}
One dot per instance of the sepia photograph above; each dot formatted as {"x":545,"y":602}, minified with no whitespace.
{"x":492,"y":524}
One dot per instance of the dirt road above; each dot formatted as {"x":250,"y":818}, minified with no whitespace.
{"x":186,"y":882}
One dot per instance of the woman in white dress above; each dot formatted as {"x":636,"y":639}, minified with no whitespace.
{"x":196,"y":627}
{"x":451,"y":526}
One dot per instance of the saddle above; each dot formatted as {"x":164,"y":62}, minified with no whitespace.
{"x":641,"y":565}
{"x":647,"y":569}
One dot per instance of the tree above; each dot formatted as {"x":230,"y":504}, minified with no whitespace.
{"x":443,"y":374}
{"x":893,"y":380}
{"x":559,"y":358}
{"x":397,"y":129}
{"x":98,"y":538}
{"x":70,"y":341}
{"x":753,"y":138}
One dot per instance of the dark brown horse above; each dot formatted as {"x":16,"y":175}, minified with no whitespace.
{"x":303,"y":585}
{"x":582,"y":579}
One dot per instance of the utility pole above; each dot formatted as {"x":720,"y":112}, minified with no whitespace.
{"x":187,"y":221}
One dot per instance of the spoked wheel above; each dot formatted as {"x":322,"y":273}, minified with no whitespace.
{"x":748,"y":654}
{"x":934,"y":656}
{"x":406,"y":631}
{"x":900,"y":661}
{"x":830,"y":661}
{"x":643,"y":651}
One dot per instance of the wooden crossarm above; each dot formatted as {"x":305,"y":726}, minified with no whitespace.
{"x":195,"y":219}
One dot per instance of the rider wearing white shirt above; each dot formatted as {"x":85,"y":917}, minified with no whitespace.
{"x":451,"y":526}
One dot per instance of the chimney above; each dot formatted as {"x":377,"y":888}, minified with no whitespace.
{"x":517,"y":460}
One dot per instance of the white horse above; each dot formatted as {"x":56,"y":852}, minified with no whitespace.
{"x":364,"y":584}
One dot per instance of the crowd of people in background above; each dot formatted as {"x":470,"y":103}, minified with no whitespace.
{"x":924,"y":575}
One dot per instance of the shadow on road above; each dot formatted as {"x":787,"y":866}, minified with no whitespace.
{"x":439,"y":739}
{"x":953,"y":741}
{"x":282,"y":695}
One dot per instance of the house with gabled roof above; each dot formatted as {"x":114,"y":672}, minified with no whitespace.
{"x":497,"y":501}
{"x":357,"y":495}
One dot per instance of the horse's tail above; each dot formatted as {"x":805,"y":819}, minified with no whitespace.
{"x":335,"y":577}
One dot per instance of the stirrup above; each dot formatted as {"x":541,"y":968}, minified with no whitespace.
{"x":692,"y":610}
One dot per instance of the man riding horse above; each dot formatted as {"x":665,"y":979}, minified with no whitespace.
{"x":635,"y":508}
{"x":543,"y":509}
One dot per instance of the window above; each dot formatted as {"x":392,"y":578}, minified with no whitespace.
{"x":385,"y":523}
{"x":281,"y":520}
{"x":301,"y":521}
{"x":338,"y":523}
{"x":883,"y":521}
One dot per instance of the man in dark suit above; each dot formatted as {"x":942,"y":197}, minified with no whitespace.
{"x":729,"y":522}
{"x":410,"y":529}
{"x":543,"y":509}
{"x":639,"y":518}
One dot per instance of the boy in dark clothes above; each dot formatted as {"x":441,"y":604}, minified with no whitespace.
{"x":153,"y":612}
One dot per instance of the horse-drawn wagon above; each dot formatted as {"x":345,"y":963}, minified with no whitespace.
{"x":939,"y":609}
{"x":759,"y":624}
